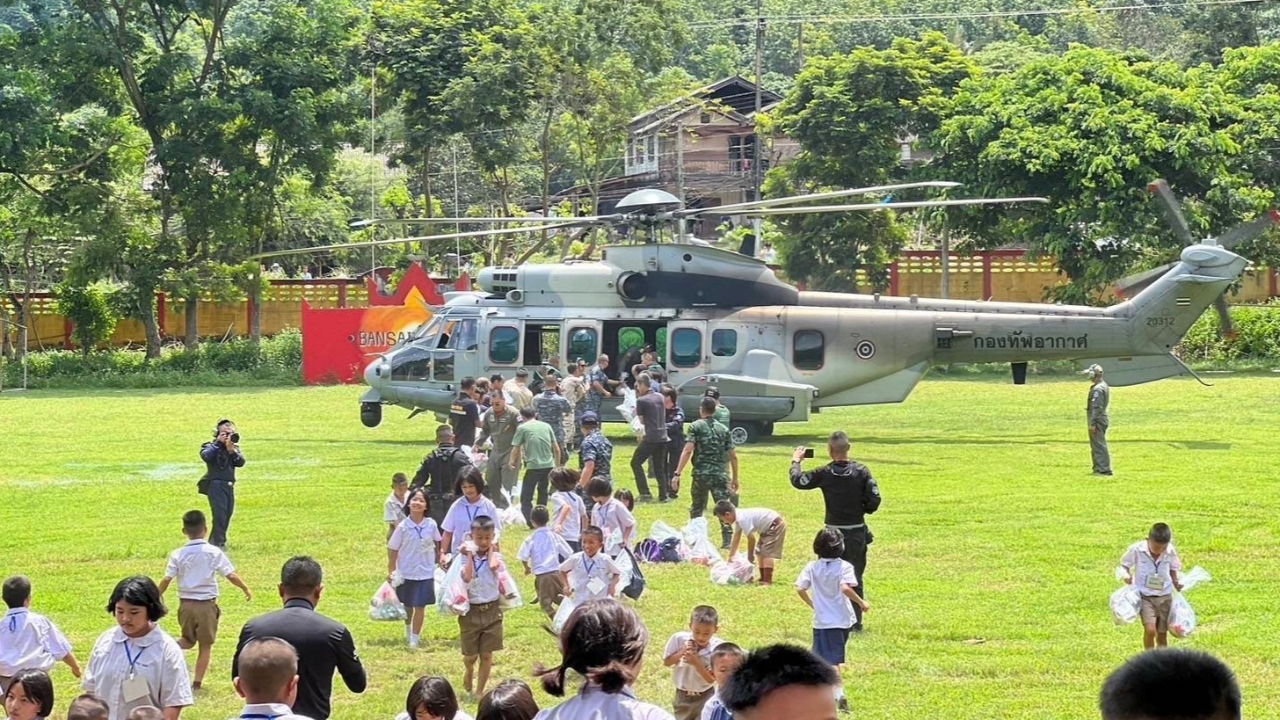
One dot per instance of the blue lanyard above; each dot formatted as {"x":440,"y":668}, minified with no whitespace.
{"x":259,"y":716}
{"x":589,"y":564}
{"x":475,"y":566}
{"x":417,"y":530}
{"x":471,"y":512}
{"x":13,"y":620}
{"x":133,"y":659}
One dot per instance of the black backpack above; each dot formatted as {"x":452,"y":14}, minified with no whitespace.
{"x":670,"y":550}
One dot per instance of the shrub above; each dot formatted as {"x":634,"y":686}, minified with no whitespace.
{"x":1257,"y":335}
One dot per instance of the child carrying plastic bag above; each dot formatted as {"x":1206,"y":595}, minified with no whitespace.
{"x":385,"y":606}
{"x":1182,"y":618}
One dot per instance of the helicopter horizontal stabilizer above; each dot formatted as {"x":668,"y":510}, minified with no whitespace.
{"x":1139,"y":369}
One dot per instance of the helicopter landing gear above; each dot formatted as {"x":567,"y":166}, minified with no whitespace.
{"x":766,"y":429}
{"x":745,"y":432}
{"x":371,"y":414}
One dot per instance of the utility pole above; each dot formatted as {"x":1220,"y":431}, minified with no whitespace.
{"x":680,"y":178}
{"x":373,"y":163}
{"x":945,"y":255}
{"x":457,"y":207}
{"x":757,"y":223}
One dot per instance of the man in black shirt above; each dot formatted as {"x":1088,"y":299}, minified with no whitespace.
{"x":849,"y":493}
{"x":221,"y":458}
{"x":464,"y":416}
{"x":439,"y":473}
{"x":652,"y":411}
{"x":323,"y":645}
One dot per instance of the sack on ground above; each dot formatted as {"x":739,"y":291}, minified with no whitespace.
{"x":701,"y":551}
{"x":648,"y":550}
{"x":738,"y":571}
{"x":1182,"y":619}
{"x":562,"y":615}
{"x":662,"y":531}
{"x":385,"y":606}
{"x":1125,"y":604}
{"x":669,"y":550}
{"x":453,"y":592}
{"x":511,"y":516}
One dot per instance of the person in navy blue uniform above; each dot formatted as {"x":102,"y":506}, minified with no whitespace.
{"x":221,"y":458}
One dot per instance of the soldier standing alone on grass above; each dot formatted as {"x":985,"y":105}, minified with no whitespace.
{"x":1099,"y":399}
{"x":711,"y":450}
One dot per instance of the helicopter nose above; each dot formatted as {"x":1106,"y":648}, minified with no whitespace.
{"x":375,"y":372}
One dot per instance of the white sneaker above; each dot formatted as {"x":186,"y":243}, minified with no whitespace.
{"x":413,"y":642}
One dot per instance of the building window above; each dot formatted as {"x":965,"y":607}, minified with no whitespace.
{"x":807,"y":350}
{"x":504,"y":345}
{"x":582,"y":344}
{"x":686,"y":347}
{"x":724,"y":343}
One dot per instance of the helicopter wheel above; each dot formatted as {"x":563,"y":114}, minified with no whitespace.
{"x":371,"y":414}
{"x":744,"y":433}
{"x":766,"y":429}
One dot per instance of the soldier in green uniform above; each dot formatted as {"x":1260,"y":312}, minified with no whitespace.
{"x":552,"y":408}
{"x":711,"y":450}
{"x":1099,"y":399}
{"x":722,"y":417}
{"x":722,"y":412}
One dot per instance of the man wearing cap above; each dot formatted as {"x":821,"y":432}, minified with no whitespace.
{"x":596,"y":452}
{"x":722,"y":412}
{"x":499,"y":425}
{"x":439,"y":473}
{"x":1099,"y":400}
{"x":519,"y":396}
{"x":574,"y":389}
{"x":552,"y":408}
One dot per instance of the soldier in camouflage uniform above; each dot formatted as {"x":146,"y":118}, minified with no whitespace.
{"x":552,"y":407}
{"x":722,"y":417}
{"x":711,"y":450}
{"x":574,"y":389}
{"x":598,"y":385}
{"x":596,"y":452}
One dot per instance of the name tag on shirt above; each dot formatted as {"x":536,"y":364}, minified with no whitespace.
{"x":1155,"y":582}
{"x":135,"y":688}
{"x":596,"y":586}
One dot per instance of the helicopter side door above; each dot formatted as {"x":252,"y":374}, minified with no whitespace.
{"x":505,"y":351}
{"x":686,"y":350}
{"x":581,"y":341}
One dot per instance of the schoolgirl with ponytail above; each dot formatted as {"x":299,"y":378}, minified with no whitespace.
{"x":602,"y":642}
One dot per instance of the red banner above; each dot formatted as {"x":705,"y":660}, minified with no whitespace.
{"x":337,"y":344}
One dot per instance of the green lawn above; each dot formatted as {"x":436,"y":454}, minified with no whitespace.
{"x":989,"y":576}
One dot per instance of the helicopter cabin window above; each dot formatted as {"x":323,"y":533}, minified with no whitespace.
{"x":412,"y":363}
{"x":504,"y":345}
{"x":686,"y":347}
{"x":724,"y":343}
{"x":808,"y":350}
{"x":541,"y":343}
{"x":583,"y":344}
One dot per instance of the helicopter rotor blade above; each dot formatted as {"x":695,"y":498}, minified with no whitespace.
{"x":420,"y":238}
{"x":1172,"y":211}
{"x":893,"y":205}
{"x":758,"y":204}
{"x":361,"y":224}
{"x":1248,"y":230}
{"x":1136,"y":283}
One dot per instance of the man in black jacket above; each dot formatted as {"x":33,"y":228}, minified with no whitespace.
{"x":439,"y":473}
{"x":323,"y":644}
{"x":221,"y":458}
{"x":849,"y":493}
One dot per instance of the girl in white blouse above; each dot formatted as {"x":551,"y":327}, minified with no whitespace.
{"x":136,"y":663}
{"x":603,"y":641}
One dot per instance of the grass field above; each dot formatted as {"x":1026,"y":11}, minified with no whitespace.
{"x":989,"y":576}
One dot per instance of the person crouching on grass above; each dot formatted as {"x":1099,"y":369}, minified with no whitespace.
{"x":832,"y":581}
{"x":766,"y":533}
{"x":1153,"y":566}
{"x":411,"y":551}
{"x":689,"y":652}
{"x":481,"y":628}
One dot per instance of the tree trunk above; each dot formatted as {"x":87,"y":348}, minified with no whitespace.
{"x":29,"y":267}
{"x":255,"y":317}
{"x":192,"y":338}
{"x":147,"y":314}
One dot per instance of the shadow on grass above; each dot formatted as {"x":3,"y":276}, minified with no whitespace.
{"x":427,"y":645}
{"x":424,"y":443}
{"x":819,"y":442}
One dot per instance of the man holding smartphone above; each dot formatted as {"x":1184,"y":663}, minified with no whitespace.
{"x":849,"y":493}
{"x":221,"y":458}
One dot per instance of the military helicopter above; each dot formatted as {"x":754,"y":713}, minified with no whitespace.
{"x":775,"y":353}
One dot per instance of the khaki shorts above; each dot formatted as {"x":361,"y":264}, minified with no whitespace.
{"x":550,"y":591}
{"x":199,"y":621}
{"x":481,"y":629}
{"x":1155,"y":611}
{"x":688,"y":706}
{"x":771,"y":540}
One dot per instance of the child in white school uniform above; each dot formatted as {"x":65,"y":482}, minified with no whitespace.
{"x":393,"y":508}
{"x":689,"y":653}
{"x":542,"y":552}
{"x":1153,"y":565}
{"x":832,"y":581}
{"x":765,"y":530}
{"x":456,"y":527}
{"x":591,"y":574}
{"x":724,"y":660}
{"x":29,"y":641}
{"x":568,"y":512}
{"x":196,"y":566}
{"x":611,"y":516}
{"x":481,"y":629}
{"x":411,"y":551}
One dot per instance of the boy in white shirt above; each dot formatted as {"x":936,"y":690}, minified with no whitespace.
{"x":832,"y":581}
{"x":766,"y":533}
{"x":689,"y":652}
{"x":724,"y":660}
{"x":1153,"y":566}
{"x":393,"y":508}
{"x":481,"y":629}
{"x":196,"y":566}
{"x":28,"y":641}
{"x":542,"y":552}
{"x":591,"y":574}
{"x":611,"y":516}
{"x":568,"y":512}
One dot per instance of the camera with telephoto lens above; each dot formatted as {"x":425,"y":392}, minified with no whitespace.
{"x":235,"y":438}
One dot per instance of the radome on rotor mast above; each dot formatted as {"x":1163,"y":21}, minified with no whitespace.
{"x":776,"y":354}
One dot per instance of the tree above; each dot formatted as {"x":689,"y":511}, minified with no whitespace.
{"x":1089,"y":130}
{"x":851,"y":114}
{"x":90,"y":307}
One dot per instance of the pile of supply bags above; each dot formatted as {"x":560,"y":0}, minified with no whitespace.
{"x":692,"y":545}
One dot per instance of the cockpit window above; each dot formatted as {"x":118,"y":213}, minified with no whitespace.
{"x":411,"y":363}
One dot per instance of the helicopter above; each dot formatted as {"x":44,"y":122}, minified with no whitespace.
{"x":775,"y":353}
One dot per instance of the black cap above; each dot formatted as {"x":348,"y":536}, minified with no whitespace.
{"x":712,"y":391}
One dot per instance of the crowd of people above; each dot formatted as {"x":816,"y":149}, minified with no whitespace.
{"x":582,"y":535}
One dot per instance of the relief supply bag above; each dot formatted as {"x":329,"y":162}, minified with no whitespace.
{"x":385,"y":606}
{"x":452,"y":592}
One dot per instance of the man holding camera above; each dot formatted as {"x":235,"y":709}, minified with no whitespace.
{"x":849,"y":494}
{"x":221,"y":458}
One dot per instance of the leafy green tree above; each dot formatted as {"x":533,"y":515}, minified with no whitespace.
{"x":91,"y":309}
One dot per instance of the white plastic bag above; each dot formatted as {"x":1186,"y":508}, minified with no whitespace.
{"x":662,"y":531}
{"x":701,"y":551}
{"x":625,"y":564}
{"x":738,"y":571}
{"x":385,"y":606}
{"x":1182,"y":619}
{"x":511,"y":516}
{"x":562,"y":615}
{"x":1195,"y":577}
{"x":613,"y":542}
{"x":452,"y":593}
{"x":1125,"y":604}
{"x":628,"y":406}
{"x":637,"y":427}
{"x":509,"y":591}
